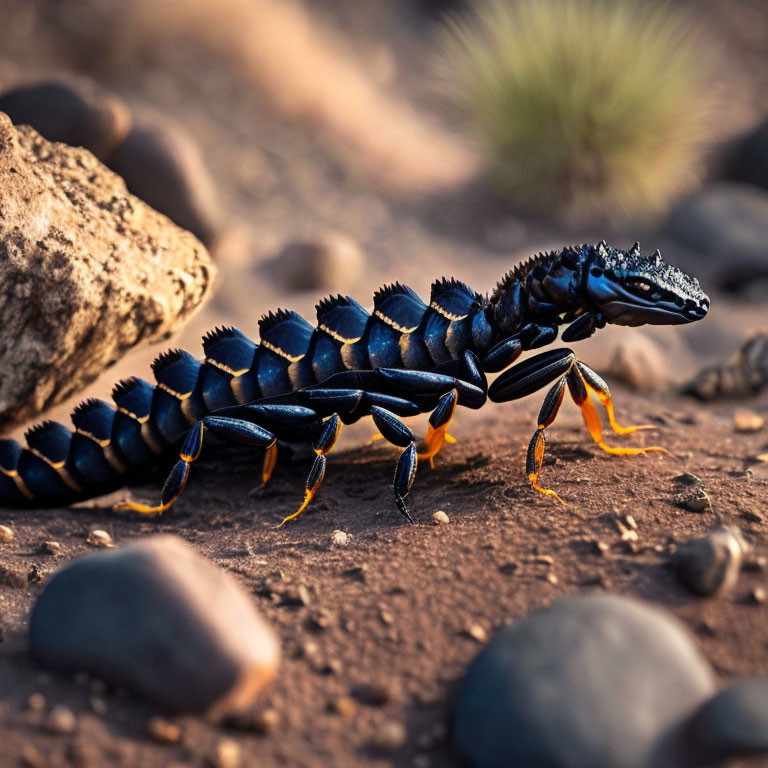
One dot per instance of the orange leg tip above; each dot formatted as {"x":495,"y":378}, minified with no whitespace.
{"x":377,"y":436}
{"x":270,"y":459}
{"x":546,"y":491}
{"x":307,"y":498}
{"x":142,"y":509}
{"x":450,"y":439}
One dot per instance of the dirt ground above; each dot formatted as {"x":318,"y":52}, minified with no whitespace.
{"x":382,"y":629}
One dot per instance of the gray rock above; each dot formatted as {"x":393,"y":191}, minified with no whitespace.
{"x":330,"y":261}
{"x":75,"y":111}
{"x":87,"y":271}
{"x":710,"y":564}
{"x":735,"y":722}
{"x":164,"y":166}
{"x":159,"y":619}
{"x":728,"y":220}
{"x":639,"y":361}
{"x":750,"y":160}
{"x":727,"y":224}
{"x":590,"y":682}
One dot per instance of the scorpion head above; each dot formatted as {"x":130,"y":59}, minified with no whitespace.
{"x":628,"y":288}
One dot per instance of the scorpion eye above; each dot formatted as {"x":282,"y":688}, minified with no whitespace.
{"x":596,"y":272}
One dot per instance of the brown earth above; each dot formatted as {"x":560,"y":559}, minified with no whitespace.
{"x":391,"y":610}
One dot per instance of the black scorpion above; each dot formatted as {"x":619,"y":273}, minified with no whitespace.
{"x":301,"y":383}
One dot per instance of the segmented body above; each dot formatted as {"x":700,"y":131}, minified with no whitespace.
{"x":295,"y":365}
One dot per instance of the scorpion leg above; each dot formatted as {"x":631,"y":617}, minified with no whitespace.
{"x":321,"y":446}
{"x":437,"y":433}
{"x":547,"y":414}
{"x":393,"y":430}
{"x":580,"y":394}
{"x":235,"y":430}
{"x":532,"y":374}
{"x":596,"y":384}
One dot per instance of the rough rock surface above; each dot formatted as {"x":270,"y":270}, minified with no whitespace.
{"x":590,"y":682}
{"x":87,"y":272}
{"x":159,"y":619}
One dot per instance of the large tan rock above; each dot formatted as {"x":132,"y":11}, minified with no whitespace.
{"x":87,"y":271}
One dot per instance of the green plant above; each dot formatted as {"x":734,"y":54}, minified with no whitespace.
{"x":591,"y":106}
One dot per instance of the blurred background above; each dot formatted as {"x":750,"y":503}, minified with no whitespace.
{"x":334,"y":145}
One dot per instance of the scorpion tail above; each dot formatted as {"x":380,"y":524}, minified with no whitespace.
{"x":13,"y":490}
{"x":58,"y":466}
{"x":38,"y":473}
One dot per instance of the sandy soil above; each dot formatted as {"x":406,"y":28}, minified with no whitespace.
{"x":391,"y":611}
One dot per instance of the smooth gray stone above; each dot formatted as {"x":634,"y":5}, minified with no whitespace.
{"x":75,"y":111}
{"x":711,"y":563}
{"x":735,"y":722}
{"x":591,"y":682}
{"x":160,"y":619}
{"x":162,"y":164}
{"x":750,"y":160}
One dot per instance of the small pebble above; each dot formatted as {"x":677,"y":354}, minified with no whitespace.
{"x":390,"y":736}
{"x":373,"y":695}
{"x":687,"y":479}
{"x":343,"y":706}
{"x":745,"y":420}
{"x":227,"y":755}
{"x":757,"y":563}
{"x":266,"y":721}
{"x":100,"y":539}
{"x":711,"y":563}
{"x":440,"y":518}
{"x":51,"y":547}
{"x":263,"y":722}
{"x":6,"y":534}
{"x":35,"y":575}
{"x":476,"y":632}
{"x":163,"y":731}
{"x":552,"y":579}
{"x":339,"y":539}
{"x":36,"y":702}
{"x":758,"y":595}
{"x":600,"y":547}
{"x":31,"y":757}
{"x":61,"y":720}
{"x":699,"y":503}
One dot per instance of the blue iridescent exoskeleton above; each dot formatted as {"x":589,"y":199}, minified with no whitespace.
{"x":301,"y":383}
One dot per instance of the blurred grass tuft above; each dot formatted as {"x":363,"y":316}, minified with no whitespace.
{"x":594,"y":108}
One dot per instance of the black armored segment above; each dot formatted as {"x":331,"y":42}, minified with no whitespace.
{"x":402,"y":358}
